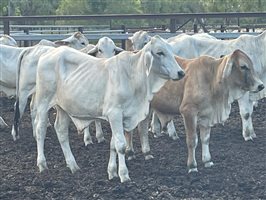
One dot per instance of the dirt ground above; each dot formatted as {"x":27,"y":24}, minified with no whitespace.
{"x":239,"y":171}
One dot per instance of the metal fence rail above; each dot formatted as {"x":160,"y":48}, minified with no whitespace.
{"x":34,"y":33}
{"x":172,"y":18}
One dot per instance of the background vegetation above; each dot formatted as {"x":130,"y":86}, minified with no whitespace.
{"x":87,"y":7}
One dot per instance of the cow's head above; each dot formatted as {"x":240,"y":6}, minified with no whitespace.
{"x":7,"y":40}
{"x":139,"y":39}
{"x":105,"y":48}
{"x":238,"y":68}
{"x":76,"y":41}
{"x":159,"y":58}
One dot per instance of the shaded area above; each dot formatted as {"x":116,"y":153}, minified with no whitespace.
{"x":239,"y":171}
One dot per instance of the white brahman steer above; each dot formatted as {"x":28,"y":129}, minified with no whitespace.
{"x":77,"y":41}
{"x":8,"y":40}
{"x":27,"y":67}
{"x":253,"y":46}
{"x":9,"y":57}
{"x":204,"y":97}
{"x":105,"y":48}
{"x":138,"y":40}
{"x":118,"y":89}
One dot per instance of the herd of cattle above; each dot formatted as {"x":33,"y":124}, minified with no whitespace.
{"x":196,"y":76}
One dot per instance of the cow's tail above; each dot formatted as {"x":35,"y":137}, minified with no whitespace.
{"x":15,"y":128}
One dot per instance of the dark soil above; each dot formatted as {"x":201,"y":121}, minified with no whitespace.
{"x":239,"y":171}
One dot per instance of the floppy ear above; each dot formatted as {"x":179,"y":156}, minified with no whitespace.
{"x":130,"y":38}
{"x":93,"y":51}
{"x":118,"y":50}
{"x":228,"y":67}
{"x":61,"y":43}
{"x":77,"y":34}
{"x":148,"y":59}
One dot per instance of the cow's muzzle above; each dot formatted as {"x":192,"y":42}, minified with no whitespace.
{"x":180,"y":75}
{"x":260,"y":87}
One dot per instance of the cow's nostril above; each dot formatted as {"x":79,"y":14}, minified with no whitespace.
{"x":181,"y":74}
{"x":260,"y":87}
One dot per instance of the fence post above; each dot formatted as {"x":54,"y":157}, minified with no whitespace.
{"x":6,"y":27}
{"x":195,"y":28}
{"x":80,"y":29}
{"x":172,"y":25}
{"x":123,"y":42}
{"x":26,"y":42}
{"x":222,"y":28}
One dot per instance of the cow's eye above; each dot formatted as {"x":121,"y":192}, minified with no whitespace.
{"x":100,"y":51}
{"x":83,"y":43}
{"x":160,"y":53}
{"x":244,"y":67}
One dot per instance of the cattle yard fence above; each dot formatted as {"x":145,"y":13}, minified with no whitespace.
{"x":28,"y":30}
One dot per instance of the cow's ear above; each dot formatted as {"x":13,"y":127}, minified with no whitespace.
{"x":118,"y":50}
{"x":61,"y":43}
{"x":262,"y":35}
{"x":130,"y":39}
{"x":148,"y":59}
{"x":228,"y":67}
{"x":93,"y":51}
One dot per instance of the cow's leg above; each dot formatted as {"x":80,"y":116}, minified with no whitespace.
{"x":246,"y":110}
{"x":116,"y":123}
{"x":33,"y":113}
{"x":144,"y":138}
{"x":40,"y":124}
{"x":205,"y":139}
{"x":19,"y":108}
{"x":190,"y":121}
{"x":112,"y":166}
{"x":130,"y":149}
{"x":87,"y":136}
{"x":2,"y":123}
{"x":171,"y":130}
{"x":99,"y":131}
{"x":155,"y":125}
{"x":61,"y":128}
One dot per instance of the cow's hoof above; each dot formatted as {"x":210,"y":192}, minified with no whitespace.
{"x":130,"y":154}
{"x":112,"y":175}
{"x":15,"y":137}
{"x":88,"y":142}
{"x":192,"y":170}
{"x":157,"y":134}
{"x":42,"y":167}
{"x":125,"y":179}
{"x":249,"y":136}
{"x":148,"y":157}
{"x":174,"y":137}
{"x":208,"y":164}
{"x":131,"y":157}
{"x":101,"y":140}
{"x":74,"y":168}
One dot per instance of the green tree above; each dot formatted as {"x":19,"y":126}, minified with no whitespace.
{"x":70,"y":7}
